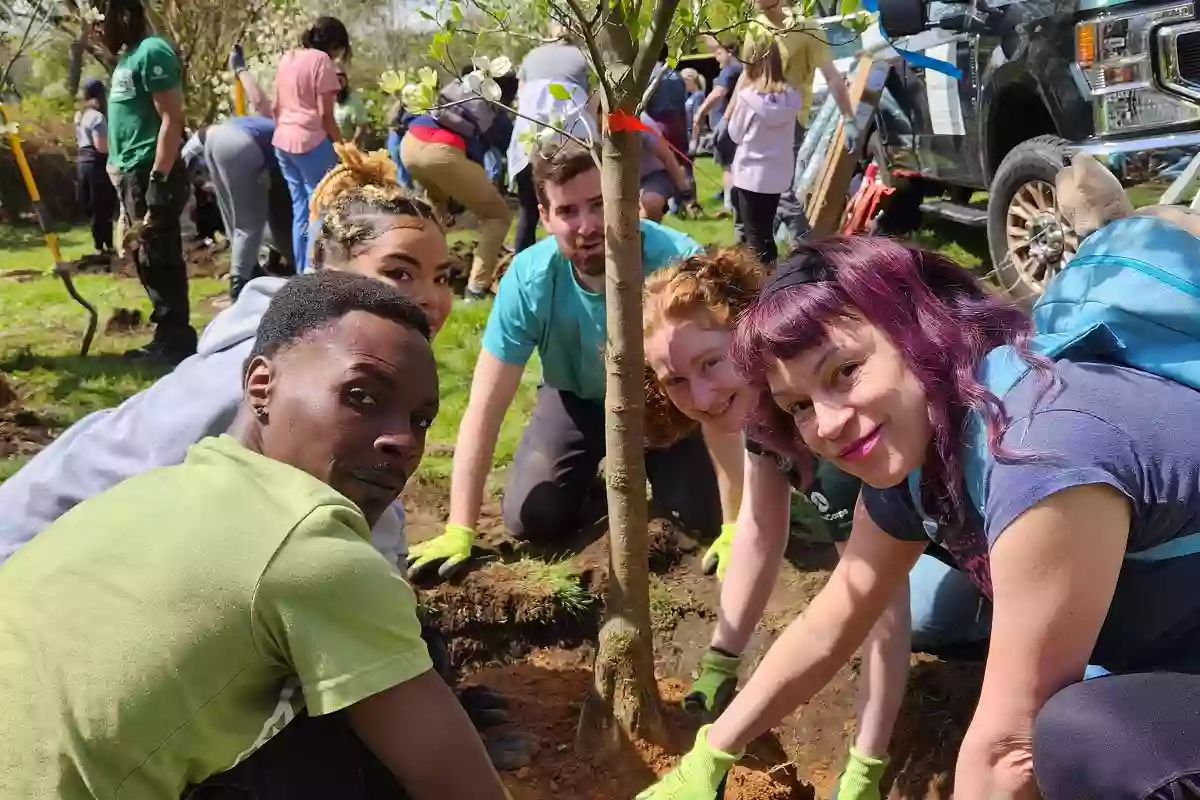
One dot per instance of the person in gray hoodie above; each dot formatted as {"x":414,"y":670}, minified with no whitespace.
{"x":371,"y":226}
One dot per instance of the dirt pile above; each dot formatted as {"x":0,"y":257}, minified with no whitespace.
{"x":545,"y":693}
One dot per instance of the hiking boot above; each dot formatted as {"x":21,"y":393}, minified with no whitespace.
{"x":474,"y":295}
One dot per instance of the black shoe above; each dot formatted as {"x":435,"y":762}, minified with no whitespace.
{"x":236,"y":284}
{"x":166,"y":351}
{"x":472,"y":296}
{"x":147,"y":352}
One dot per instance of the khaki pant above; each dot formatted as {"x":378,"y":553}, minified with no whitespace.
{"x":445,"y":172}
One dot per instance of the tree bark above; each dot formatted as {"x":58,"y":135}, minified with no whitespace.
{"x":625,"y":690}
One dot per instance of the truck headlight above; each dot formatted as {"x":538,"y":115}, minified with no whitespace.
{"x":1115,"y":55}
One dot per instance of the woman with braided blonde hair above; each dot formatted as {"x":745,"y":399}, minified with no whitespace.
{"x":689,"y":314}
{"x":370,"y":226}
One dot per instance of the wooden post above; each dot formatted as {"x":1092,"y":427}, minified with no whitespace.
{"x":828,"y":200}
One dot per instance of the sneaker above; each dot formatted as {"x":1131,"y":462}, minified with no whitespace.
{"x":474,"y":296}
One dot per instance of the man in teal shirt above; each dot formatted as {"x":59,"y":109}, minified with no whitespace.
{"x":145,"y":108}
{"x":552,"y":300}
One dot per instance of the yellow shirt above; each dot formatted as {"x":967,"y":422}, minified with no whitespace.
{"x":803,"y":48}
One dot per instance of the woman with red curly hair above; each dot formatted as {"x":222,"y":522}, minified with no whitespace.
{"x":689,"y":315}
{"x":868,"y":353}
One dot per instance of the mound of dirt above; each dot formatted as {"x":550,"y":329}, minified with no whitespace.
{"x":545,"y":693}
{"x":23,"y":433}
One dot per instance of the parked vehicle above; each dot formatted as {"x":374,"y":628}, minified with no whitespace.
{"x":1042,"y":79}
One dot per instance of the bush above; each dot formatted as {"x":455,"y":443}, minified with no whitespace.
{"x":47,"y":129}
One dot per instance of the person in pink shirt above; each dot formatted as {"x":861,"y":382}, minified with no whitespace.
{"x":763,"y":123}
{"x":306,"y":89}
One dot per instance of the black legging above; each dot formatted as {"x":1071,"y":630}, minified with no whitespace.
{"x":96,"y":195}
{"x":1121,"y":737}
{"x":527,"y":211}
{"x":756,"y":212}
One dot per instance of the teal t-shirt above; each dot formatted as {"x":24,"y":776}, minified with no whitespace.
{"x":133,"y":122}
{"x":540,"y":304}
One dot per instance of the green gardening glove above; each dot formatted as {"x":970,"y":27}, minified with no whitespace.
{"x":713,"y":689}
{"x":450,"y":549}
{"x":860,"y":778}
{"x":717,"y":558}
{"x":698,"y":775}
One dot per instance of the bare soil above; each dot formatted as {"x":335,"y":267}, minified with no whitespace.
{"x":515,"y":638}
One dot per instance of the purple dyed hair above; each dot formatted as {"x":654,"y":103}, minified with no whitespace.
{"x":938,"y":315}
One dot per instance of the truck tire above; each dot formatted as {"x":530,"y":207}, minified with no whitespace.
{"x":1028,"y":240}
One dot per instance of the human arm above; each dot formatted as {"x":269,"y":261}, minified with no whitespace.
{"x":256,"y":98}
{"x":492,"y":391}
{"x":416,"y":729}
{"x":728,"y":453}
{"x":836,"y":85}
{"x":663,"y":152}
{"x":99,"y":133}
{"x":169,"y":105}
{"x":326,"y":102}
{"x":738,"y":121}
{"x":1054,"y":571}
{"x":756,"y":555}
{"x":818,"y":643}
{"x":710,"y":102}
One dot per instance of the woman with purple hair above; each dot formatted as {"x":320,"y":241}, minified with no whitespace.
{"x":867,"y":354}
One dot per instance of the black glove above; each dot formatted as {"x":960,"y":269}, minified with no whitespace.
{"x":237,"y":59}
{"x":158,"y":196}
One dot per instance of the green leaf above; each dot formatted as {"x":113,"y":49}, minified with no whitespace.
{"x":850,"y":6}
{"x":456,"y":12}
{"x":559,"y":92}
{"x":426,"y":14}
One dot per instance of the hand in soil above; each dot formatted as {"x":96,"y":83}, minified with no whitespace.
{"x":699,"y":775}
{"x":485,"y":707}
{"x":713,"y":689}
{"x":717,"y":558}
{"x":447,"y":553}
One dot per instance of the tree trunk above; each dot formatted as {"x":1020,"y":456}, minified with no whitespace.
{"x":625,"y":690}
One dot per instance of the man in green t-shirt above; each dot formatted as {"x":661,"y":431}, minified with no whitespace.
{"x":160,"y":634}
{"x":145,"y":133}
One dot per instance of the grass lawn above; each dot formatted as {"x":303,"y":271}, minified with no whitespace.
{"x":42,"y":329}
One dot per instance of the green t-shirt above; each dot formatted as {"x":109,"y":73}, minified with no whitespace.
{"x":160,"y":632}
{"x":349,"y":115}
{"x":133,"y":121}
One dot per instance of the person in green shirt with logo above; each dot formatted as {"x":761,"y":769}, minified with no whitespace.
{"x":161,"y":638}
{"x":145,"y":107}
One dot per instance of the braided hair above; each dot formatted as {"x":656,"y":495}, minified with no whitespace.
{"x":359,"y":200}
{"x":124,"y":24}
{"x":716,"y":287}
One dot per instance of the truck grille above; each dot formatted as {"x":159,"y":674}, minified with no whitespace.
{"x":1188,"y":49}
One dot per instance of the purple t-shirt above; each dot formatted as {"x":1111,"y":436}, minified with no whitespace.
{"x":1109,"y":425}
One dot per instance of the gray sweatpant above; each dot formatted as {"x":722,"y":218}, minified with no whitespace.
{"x":252,"y":195}
{"x":558,"y":460}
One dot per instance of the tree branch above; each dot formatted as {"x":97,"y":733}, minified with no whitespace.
{"x":647,"y":56}
{"x":593,"y":48}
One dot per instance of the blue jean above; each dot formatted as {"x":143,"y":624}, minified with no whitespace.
{"x":947,"y":609}
{"x":393,"y":148}
{"x":493,"y":165}
{"x":303,"y":171}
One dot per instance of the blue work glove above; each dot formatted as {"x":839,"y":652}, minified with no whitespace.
{"x":237,"y":59}
{"x":850,"y":134}
{"x":698,"y":775}
{"x":860,"y":778}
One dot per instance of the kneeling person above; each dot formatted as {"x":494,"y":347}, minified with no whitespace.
{"x":162,"y":632}
{"x":552,"y":300}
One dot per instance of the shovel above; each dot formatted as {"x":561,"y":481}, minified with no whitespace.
{"x":63,"y":269}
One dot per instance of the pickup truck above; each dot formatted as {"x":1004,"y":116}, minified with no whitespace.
{"x":1041,"y":80}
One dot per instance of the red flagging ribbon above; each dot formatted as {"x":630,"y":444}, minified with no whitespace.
{"x":621,"y":121}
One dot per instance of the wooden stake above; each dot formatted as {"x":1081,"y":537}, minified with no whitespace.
{"x":828,"y":201}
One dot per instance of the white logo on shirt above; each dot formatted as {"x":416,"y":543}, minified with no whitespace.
{"x":820,"y":501}
{"x":122,"y":84}
{"x":158,"y":71}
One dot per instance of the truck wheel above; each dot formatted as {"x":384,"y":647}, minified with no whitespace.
{"x":1028,"y":240}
